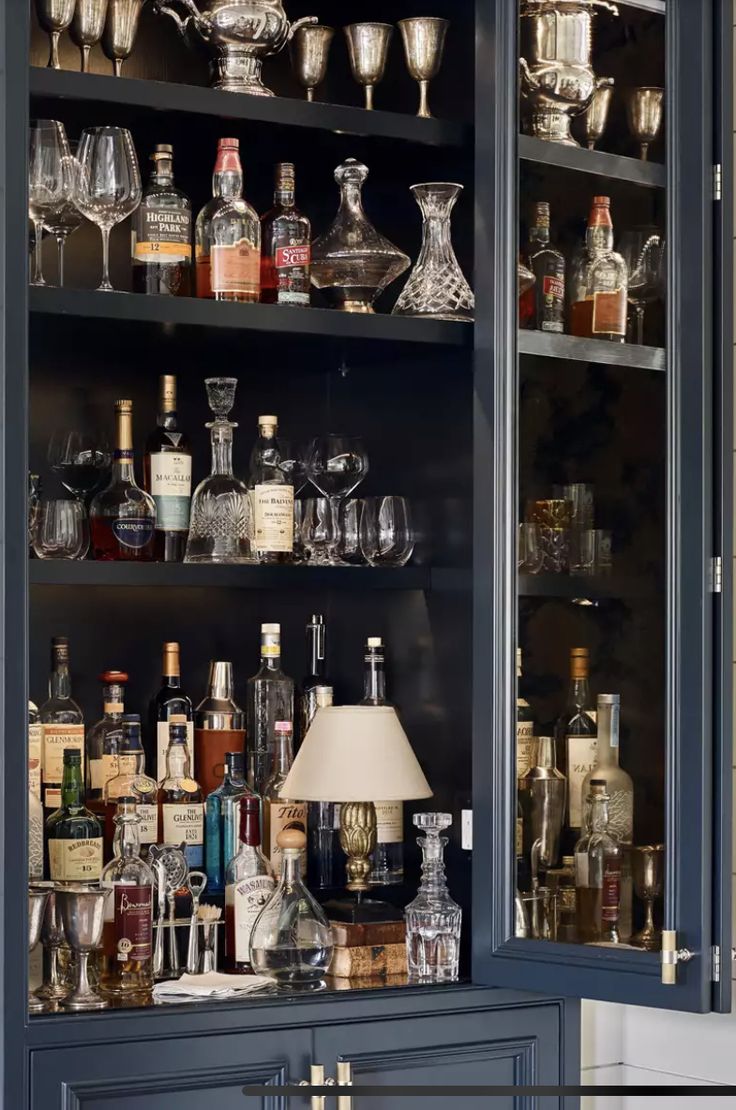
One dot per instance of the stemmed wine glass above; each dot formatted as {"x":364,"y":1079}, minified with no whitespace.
{"x":61,"y":224}
{"x":336,"y":465}
{"x":82,"y":459}
{"x":50,"y":181}
{"x":107,"y":185}
{"x":643,"y":250}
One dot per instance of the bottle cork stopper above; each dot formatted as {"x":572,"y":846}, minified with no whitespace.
{"x":291,"y":838}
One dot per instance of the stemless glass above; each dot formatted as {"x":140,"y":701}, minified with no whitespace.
{"x":336,"y":465}
{"x":349,"y":547}
{"x":386,"y":533}
{"x":50,"y":180}
{"x":107,"y":186}
{"x":60,"y":530}
{"x":319,"y":534}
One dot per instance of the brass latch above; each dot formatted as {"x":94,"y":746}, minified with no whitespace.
{"x":672,"y":956}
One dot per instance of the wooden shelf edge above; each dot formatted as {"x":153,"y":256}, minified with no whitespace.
{"x":548,"y":345}
{"x":653,"y":175}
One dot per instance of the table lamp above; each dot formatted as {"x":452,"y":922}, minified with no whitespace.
{"x":355,"y":754}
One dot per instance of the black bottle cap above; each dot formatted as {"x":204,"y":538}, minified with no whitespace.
{"x":235,"y":761}
{"x":178,"y":732}
{"x":131,"y":718}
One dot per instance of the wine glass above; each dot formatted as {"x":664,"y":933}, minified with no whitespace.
{"x":81,"y":458}
{"x":61,"y":224}
{"x":336,"y":465}
{"x":643,"y":250}
{"x":50,"y":180}
{"x":107,"y":185}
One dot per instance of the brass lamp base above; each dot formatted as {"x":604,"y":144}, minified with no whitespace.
{"x":358,"y":841}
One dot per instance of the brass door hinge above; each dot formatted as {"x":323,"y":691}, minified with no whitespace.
{"x":717,"y":181}
{"x":672,"y":956}
{"x":715,"y":963}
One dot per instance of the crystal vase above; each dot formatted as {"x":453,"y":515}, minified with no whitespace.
{"x":433,"y":919}
{"x":437,"y":288}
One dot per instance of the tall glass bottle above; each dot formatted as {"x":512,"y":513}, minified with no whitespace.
{"x":388,"y":857}
{"x":542,"y":307}
{"x":249,"y":885}
{"x":576,"y":744}
{"x":168,"y":476}
{"x":222,"y":820}
{"x":35,"y":749}
{"x":599,"y":295}
{"x":316,"y":671}
{"x":272,"y":493}
{"x":180,"y":800}
{"x":127,"y":938}
{"x":526,"y":744}
{"x":73,"y":833}
{"x":172,"y":705}
{"x":270,"y":699}
{"x":286,"y":255}
{"x":433,"y":919}
{"x":597,"y":872}
{"x":228,"y":234}
{"x":161,"y":236}
{"x":281,"y":813}
{"x":103,"y":739}
{"x":123,"y":516}
{"x":131,"y":781}
{"x":35,"y":806}
{"x":325,"y":856}
{"x":62,"y":721}
{"x":219,"y":726}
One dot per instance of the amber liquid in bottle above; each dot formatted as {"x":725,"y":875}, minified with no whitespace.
{"x":123,"y":517}
{"x":162,"y":233}
{"x":286,"y":253}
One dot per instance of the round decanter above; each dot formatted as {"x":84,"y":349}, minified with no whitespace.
{"x":433,"y":919}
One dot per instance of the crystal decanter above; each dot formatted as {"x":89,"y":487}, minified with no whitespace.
{"x":433,"y":920}
{"x":437,"y":288}
{"x":220,"y":526}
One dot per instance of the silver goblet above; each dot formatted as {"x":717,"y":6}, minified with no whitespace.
{"x":54,"y":16}
{"x":368,"y":45}
{"x":37,"y":897}
{"x":52,"y":938}
{"x":644,"y":109}
{"x":424,"y":45}
{"x":83,"y":916}
{"x":310,"y":50}
{"x":595,"y":117}
{"x":647,"y":869}
{"x":121,"y":27}
{"x":87,"y":27}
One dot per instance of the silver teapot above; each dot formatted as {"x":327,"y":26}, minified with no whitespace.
{"x":242,"y":33}
{"x":557,"y":78}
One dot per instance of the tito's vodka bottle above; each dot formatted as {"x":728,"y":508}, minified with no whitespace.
{"x":576,"y":744}
{"x":280,"y":813}
{"x":168,"y":476}
{"x":62,"y":723}
{"x":270,"y":699}
{"x":388,"y":858}
{"x":228,"y":234}
{"x":123,"y":517}
{"x":287,"y":237}
{"x":272,"y":493}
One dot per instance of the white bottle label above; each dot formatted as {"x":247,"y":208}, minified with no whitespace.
{"x":35,"y":755}
{"x":101,"y":770}
{"x":247,"y":898}
{"x":148,"y":827}
{"x":526,"y":747}
{"x":389,"y":822}
{"x":55,"y":739}
{"x":183,"y":824}
{"x":285,"y":815}
{"x":273,"y":511}
{"x":581,"y":753}
{"x":171,"y":488}
{"x":74,"y":860}
{"x":162,"y":746}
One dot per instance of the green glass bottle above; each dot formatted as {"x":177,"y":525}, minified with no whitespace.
{"x":73,"y":833}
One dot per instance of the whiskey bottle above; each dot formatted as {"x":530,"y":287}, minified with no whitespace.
{"x":167,"y":469}
{"x":123,"y":516}
{"x":287,"y":254}
{"x":170,"y":706}
{"x":222,"y":820}
{"x":103,"y":739}
{"x":272,"y":495}
{"x":131,"y":781}
{"x":127,"y":938}
{"x":597,"y":872}
{"x":35,"y":749}
{"x":219,"y":727}
{"x":161,"y":234}
{"x":576,"y":744}
{"x":316,"y":675}
{"x":180,"y":800}
{"x":526,"y":743}
{"x":599,"y":295}
{"x":62,"y":722}
{"x":228,"y":234}
{"x":35,"y":838}
{"x":73,"y":833}
{"x":388,"y":857}
{"x":249,"y":885}
{"x":281,"y":813}
{"x":542,"y":307}
{"x":270,"y":699}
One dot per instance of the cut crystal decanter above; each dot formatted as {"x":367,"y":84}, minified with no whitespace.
{"x":433,"y":919}
{"x":437,"y":288}
{"x":220,"y":526}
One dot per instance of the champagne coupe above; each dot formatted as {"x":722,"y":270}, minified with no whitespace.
{"x":107,"y":184}
{"x":647,"y":866}
{"x":424,"y":45}
{"x":87,"y":27}
{"x":644,"y":108}
{"x":54,"y":16}
{"x":50,"y":180}
{"x":336,"y":465}
{"x":643,"y":251}
{"x":61,"y":224}
{"x":310,"y":51}
{"x":368,"y":48}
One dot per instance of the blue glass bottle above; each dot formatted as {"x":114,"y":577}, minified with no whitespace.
{"x":222,"y":820}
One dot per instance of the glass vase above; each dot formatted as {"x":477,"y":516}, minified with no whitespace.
{"x":437,"y":288}
{"x":433,"y":919}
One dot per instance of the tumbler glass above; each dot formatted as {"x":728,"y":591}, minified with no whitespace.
{"x":553,"y":517}
{"x":386,"y":532}
{"x":60,"y":530}
{"x":348,"y":547}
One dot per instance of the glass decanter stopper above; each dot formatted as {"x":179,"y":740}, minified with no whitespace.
{"x":352,"y":263}
{"x":433,"y":920}
{"x":437,"y":288}
{"x":291,"y":939}
{"x":220,"y":526}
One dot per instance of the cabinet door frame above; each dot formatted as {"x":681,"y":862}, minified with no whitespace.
{"x":698,"y":880}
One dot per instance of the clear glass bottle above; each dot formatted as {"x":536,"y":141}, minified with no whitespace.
{"x":291,"y":940}
{"x":388,"y":857}
{"x":542,"y":793}
{"x":222,"y":820}
{"x":103,"y":739}
{"x":526,"y":744}
{"x":272,"y":494}
{"x":180,"y":800}
{"x":228,"y":234}
{"x":316,"y":671}
{"x":286,"y":253}
{"x":249,"y":884}
{"x":542,"y":307}
{"x":599,"y":297}
{"x":62,"y":724}
{"x":433,"y":919}
{"x":123,"y":516}
{"x":172,"y":705}
{"x":219,"y":727}
{"x":576,"y":734}
{"x":167,"y":468}
{"x":220,"y":526}
{"x":597,"y":873}
{"x":281,"y":813}
{"x":131,"y":781}
{"x":325,"y":856}
{"x":270,"y":699}
{"x":127,"y":938}
{"x":73,"y":833}
{"x":161,"y":233}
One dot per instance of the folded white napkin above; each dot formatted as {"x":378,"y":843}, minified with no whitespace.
{"x":212,"y":985}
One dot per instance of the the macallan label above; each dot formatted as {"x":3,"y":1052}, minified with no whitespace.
{"x":102,"y":770}
{"x":162,"y":234}
{"x":131,"y":909}
{"x":74,"y":860}
{"x":581,"y":752}
{"x":163,"y":731}
{"x":285,"y":815}
{"x":55,"y":739}
{"x":35,"y":757}
{"x":611,"y":893}
{"x":148,"y":828}
{"x":389,"y":822}
{"x":133,"y":532}
{"x":274,"y":518}
{"x":235,"y":268}
{"x":247,"y":898}
{"x":171,"y":488}
{"x":526,"y":747}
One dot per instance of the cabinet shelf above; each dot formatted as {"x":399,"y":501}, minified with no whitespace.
{"x":583,"y":589}
{"x":617,"y":166}
{"x":546,"y":345}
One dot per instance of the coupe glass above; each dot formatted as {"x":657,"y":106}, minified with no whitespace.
{"x":50,"y":181}
{"x":643,"y":250}
{"x":60,"y":530}
{"x":386,"y":533}
{"x":107,"y":184}
{"x":336,"y":465}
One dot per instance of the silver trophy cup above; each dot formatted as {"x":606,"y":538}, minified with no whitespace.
{"x":83,"y":916}
{"x":37,"y":898}
{"x":52,"y":938}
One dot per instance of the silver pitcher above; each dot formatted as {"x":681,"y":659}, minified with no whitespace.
{"x":542,"y":792}
{"x":557,"y":78}
{"x":242,"y":33}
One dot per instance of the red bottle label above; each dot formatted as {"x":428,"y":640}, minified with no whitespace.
{"x":293,"y":256}
{"x":611,"y":893}
{"x":554,"y":288}
{"x":133,"y":923}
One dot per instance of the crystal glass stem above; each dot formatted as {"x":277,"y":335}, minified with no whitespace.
{"x":61,"y":238}
{"x":38,"y":278}
{"x":106,"y":284}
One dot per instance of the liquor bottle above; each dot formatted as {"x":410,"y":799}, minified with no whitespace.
{"x":249,"y":885}
{"x":228,"y":234}
{"x":599,"y":296}
{"x":542,"y":793}
{"x":222,"y":820}
{"x":526,"y":743}
{"x":542,"y":306}
{"x":171,"y":705}
{"x":103,"y":739}
{"x":270,"y":699}
{"x":73,"y":833}
{"x":272,"y":496}
{"x":286,"y":235}
{"x":180,"y":800}
{"x":388,"y":857}
{"x":127,"y":936}
{"x":325,"y":858}
{"x":167,"y":468}
{"x":316,"y":675}
{"x":62,"y":721}
{"x":35,"y":838}
{"x":131,"y":781}
{"x":35,"y":749}
{"x":123,"y":517}
{"x":219,"y":727}
{"x":597,"y":872}
{"x":161,"y":235}
{"x":281,"y":813}
{"x":576,"y":744}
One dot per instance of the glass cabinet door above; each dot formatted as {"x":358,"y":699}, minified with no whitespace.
{"x":595,"y":433}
